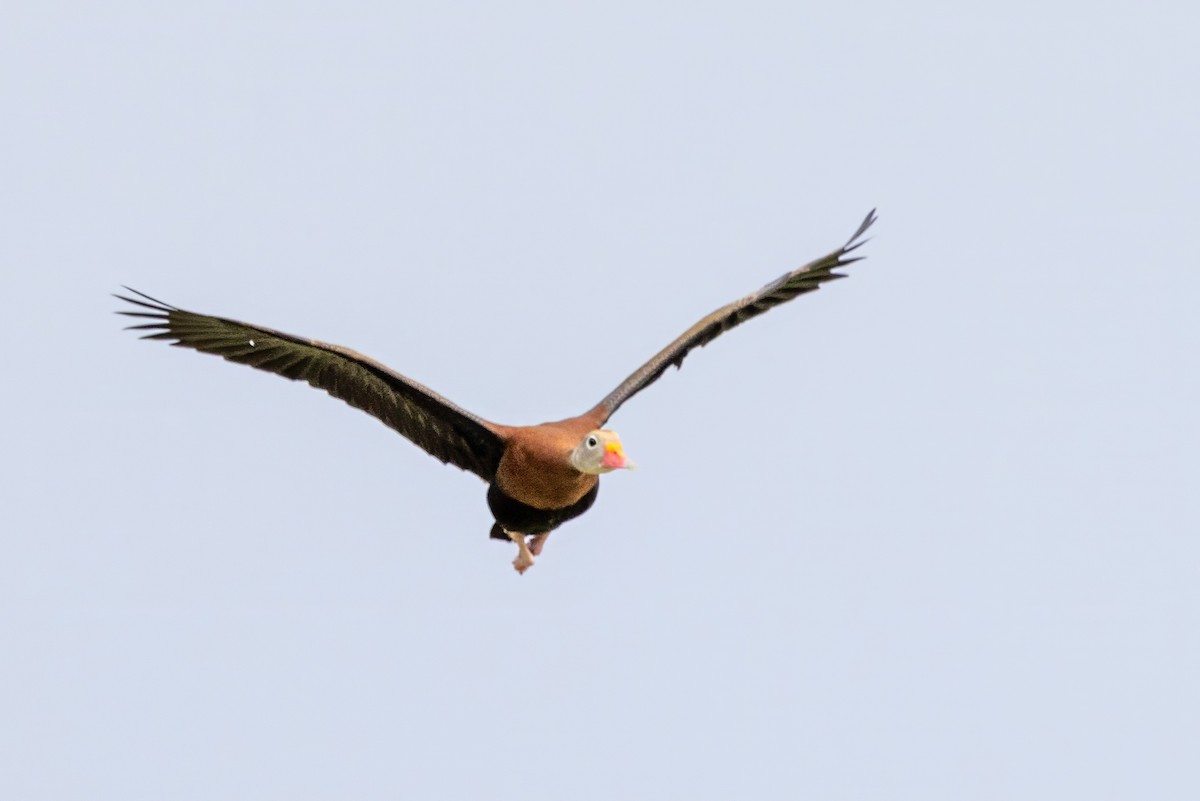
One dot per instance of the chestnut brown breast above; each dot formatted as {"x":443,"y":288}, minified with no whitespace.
{"x":536,"y":468}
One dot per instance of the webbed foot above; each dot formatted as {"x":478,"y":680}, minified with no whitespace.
{"x":524,"y":559}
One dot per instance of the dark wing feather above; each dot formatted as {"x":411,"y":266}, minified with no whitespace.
{"x":451,"y":434}
{"x":797,"y":282}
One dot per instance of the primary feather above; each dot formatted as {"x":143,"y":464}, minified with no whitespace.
{"x":803,"y":279}
{"x":446,"y":431}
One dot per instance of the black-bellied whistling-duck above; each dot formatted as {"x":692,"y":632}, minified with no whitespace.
{"x":539,"y":476}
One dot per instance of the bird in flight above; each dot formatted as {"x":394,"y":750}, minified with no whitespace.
{"x":538,"y":477}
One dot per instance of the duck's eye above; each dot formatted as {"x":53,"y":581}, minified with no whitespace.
{"x":592,"y":442}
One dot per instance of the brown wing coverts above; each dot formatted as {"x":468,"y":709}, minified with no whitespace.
{"x":449,"y":433}
{"x":797,"y":282}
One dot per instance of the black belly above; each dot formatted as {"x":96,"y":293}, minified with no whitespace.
{"x":521,"y":518}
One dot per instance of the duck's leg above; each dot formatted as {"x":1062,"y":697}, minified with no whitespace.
{"x":536,"y":542}
{"x":524,"y":558}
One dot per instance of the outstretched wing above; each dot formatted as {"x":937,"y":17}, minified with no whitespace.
{"x":797,"y":282}
{"x":444,"y":430}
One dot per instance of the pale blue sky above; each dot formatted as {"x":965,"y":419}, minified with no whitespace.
{"x":930,"y":533}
